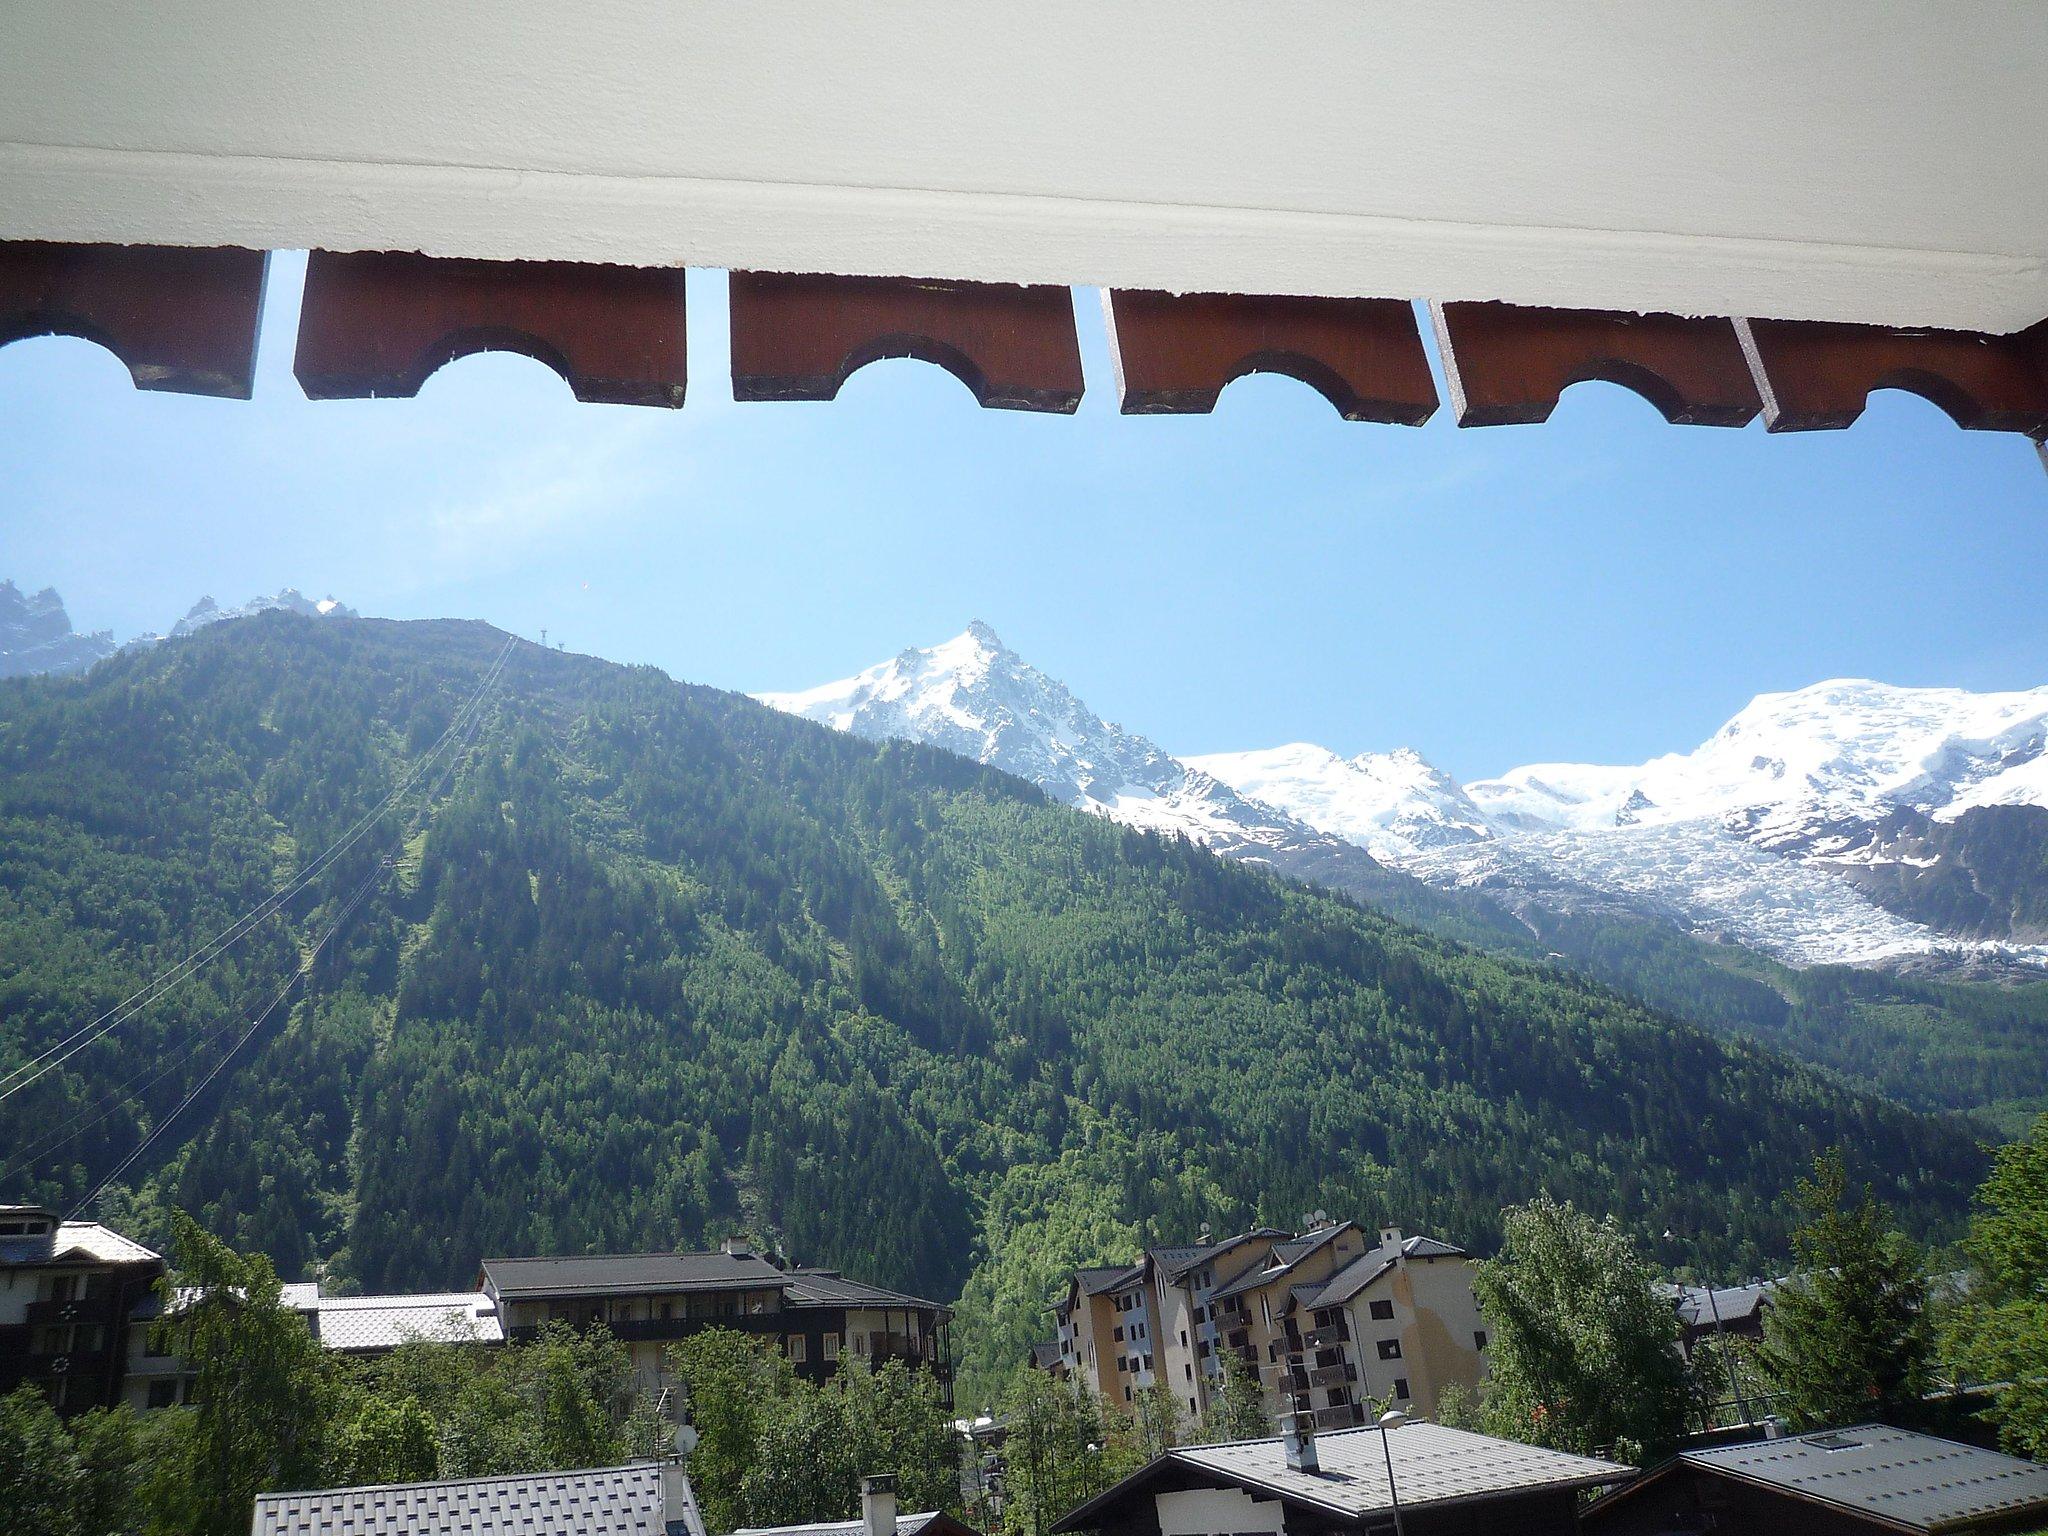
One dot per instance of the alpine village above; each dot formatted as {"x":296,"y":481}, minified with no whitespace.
{"x":459,"y":1079}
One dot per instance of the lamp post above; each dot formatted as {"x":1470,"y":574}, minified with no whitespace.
{"x":1393,"y":1418}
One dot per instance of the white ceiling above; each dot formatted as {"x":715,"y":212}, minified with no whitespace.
{"x":1812,"y":160}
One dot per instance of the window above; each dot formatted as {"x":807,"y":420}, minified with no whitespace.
{"x":1401,"y":1388}
{"x":162,"y":1394}
{"x":1148,"y":1362}
{"x":1117,"y":1334}
{"x":797,"y":1347}
{"x":1188,"y":1370}
{"x":1479,"y":1339}
{"x":1390,"y":1349}
{"x":831,"y":1346}
{"x":1127,"y":1392}
{"x":1382,"y":1310}
{"x":668,"y":1310}
{"x":1183,"y":1338}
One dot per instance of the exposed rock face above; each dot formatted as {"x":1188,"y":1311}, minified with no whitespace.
{"x":36,"y":636}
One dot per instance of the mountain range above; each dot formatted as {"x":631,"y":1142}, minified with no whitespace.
{"x":640,"y":964}
{"x":1840,"y":823}
{"x":36,"y":637}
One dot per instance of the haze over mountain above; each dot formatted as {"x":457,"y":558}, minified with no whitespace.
{"x":1817,"y":826}
{"x":36,"y":637}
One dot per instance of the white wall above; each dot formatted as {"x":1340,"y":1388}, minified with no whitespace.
{"x":1821,"y":160}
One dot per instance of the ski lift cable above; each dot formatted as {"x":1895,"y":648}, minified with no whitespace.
{"x":86,"y":1035}
{"x":77,"y":1126}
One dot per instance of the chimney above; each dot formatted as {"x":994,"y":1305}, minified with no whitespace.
{"x":878,"y":1506}
{"x":737,"y":1247}
{"x":679,"y":1514}
{"x":1298,"y":1440}
{"x":1390,"y":1237}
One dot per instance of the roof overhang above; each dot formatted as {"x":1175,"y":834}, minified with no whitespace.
{"x":1730,"y":157}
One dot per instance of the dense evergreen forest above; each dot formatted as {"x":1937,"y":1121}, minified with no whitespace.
{"x":664,"y":964}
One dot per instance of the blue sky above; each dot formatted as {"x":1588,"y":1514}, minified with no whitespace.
{"x":1603,"y":587}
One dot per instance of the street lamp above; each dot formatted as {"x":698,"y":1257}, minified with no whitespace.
{"x":1393,"y":1418}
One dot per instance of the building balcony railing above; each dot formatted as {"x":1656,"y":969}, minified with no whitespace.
{"x":80,"y":1311}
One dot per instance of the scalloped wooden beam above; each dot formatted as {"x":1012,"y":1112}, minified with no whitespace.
{"x":798,"y":336}
{"x":1508,"y":363}
{"x":1174,"y":353}
{"x":379,"y":323}
{"x":180,"y":319}
{"x":1816,"y":376}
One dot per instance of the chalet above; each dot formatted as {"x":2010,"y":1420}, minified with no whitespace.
{"x":1863,"y":1481}
{"x":75,"y":1298}
{"x":1445,"y":1481}
{"x":1705,"y":1311}
{"x":817,"y":1317}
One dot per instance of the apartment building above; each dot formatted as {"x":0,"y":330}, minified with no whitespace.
{"x":817,"y":1317}
{"x":1342,"y":1315}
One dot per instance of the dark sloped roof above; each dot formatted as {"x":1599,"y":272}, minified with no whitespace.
{"x":934,"y":1521}
{"x":829,"y":1288}
{"x":1432,"y":1465}
{"x":1368,"y":1267}
{"x":1912,"y":1480}
{"x":607,"y":1501}
{"x":1284,"y":1256}
{"x":615,"y":1274}
{"x":1736,"y":1303}
{"x":73,"y":1242}
{"x":1193,"y":1258}
{"x":1098,"y":1278}
{"x":1047,"y":1355}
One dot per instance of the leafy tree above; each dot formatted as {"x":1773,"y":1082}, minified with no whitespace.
{"x":40,"y":1475}
{"x":113,"y":1450}
{"x":1584,"y":1351}
{"x":385,"y":1440}
{"x":732,"y":1387}
{"x":1054,"y":1454}
{"x":2000,"y":1328}
{"x":1237,"y":1408}
{"x":256,"y":1385}
{"x":1847,"y":1339}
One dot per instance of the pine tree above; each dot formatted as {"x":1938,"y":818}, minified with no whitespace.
{"x":2000,"y":1332}
{"x":1847,"y":1339}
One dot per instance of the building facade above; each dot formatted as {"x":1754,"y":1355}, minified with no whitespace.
{"x":817,"y":1317}
{"x":75,"y":1302}
{"x":1338,"y":1313}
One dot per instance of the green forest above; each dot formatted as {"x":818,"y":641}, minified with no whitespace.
{"x":652,"y":963}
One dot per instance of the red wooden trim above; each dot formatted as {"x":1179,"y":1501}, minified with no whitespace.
{"x":1509,"y":363}
{"x":1817,"y":375}
{"x":1175,"y":352}
{"x":180,"y":318}
{"x":378,"y":323}
{"x":800,"y":336}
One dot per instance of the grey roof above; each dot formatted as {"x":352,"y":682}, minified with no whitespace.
{"x":1097,"y":1278}
{"x":1914,"y":1481}
{"x":1047,"y":1355}
{"x":1737,"y":1303}
{"x":1368,"y":1267}
{"x":384,"y":1322}
{"x":605,"y":1501}
{"x":906,"y":1525}
{"x":1284,"y":1256}
{"x":618,"y":1274}
{"x":75,"y":1242}
{"x":1186,"y":1259}
{"x":829,"y":1288}
{"x":1432,"y":1465}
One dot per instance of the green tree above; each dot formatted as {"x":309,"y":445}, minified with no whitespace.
{"x":1584,"y":1351}
{"x":385,"y":1440}
{"x":41,"y":1479}
{"x":1054,"y":1456}
{"x":733,"y":1388}
{"x":258,"y":1397}
{"x":112,"y":1447}
{"x":2000,"y":1328}
{"x":1237,"y":1408}
{"x":1847,"y":1338}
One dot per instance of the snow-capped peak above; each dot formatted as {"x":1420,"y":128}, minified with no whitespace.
{"x":206,"y":611}
{"x":975,"y":696}
{"x":1394,"y":804}
{"x":1843,"y":750}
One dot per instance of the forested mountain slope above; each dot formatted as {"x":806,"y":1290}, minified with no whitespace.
{"x":668,"y":963}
